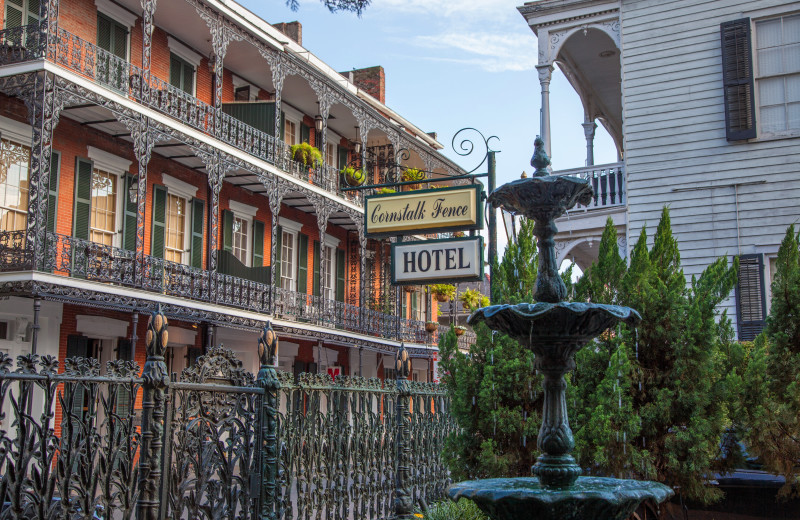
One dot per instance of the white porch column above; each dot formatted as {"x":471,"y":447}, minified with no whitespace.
{"x":545,"y":74}
{"x":588,"y":130}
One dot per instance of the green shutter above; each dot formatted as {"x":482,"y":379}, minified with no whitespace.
{"x":278,"y":240}
{"x":33,"y":11}
{"x":175,"y":72}
{"x":302,"y":263}
{"x":52,"y":198}
{"x":129,"y":219}
{"x":283,"y":125}
{"x":403,"y":303}
{"x":414,"y":306}
{"x":83,"y":198}
{"x":198,"y":219}
{"x":120,"y":41}
{"x":124,"y":349}
{"x":305,"y":133}
{"x":13,"y":16}
{"x":342,"y":157}
{"x":340,"y":275}
{"x":159,"y":222}
{"x":227,"y":231}
{"x":315,"y":282}
{"x":258,"y":244}
{"x":188,"y":78}
{"x":104,"y":33}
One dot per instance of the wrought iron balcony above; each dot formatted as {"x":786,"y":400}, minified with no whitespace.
{"x":608,"y":183}
{"x":22,"y":44}
{"x":77,"y":258}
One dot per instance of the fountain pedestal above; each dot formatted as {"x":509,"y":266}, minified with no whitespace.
{"x":554,"y":330}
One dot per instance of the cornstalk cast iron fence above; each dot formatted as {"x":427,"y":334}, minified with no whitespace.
{"x":217,"y":443}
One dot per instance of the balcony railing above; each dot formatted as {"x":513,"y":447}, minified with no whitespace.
{"x":77,"y":258}
{"x":607,"y":181}
{"x":21,"y":44}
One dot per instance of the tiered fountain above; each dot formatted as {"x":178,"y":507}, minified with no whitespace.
{"x":554,"y":330}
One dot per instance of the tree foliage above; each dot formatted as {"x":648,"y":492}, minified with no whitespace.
{"x":496,"y":397}
{"x":654,"y":403}
{"x":335,"y":6}
{"x":771,"y":399}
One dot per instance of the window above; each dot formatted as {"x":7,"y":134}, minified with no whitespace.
{"x":21,"y":12}
{"x":240,"y":239}
{"x":104,"y":207}
{"x":177,"y":210}
{"x":290,"y":132}
{"x":242,"y":93}
{"x":778,"y":74}
{"x":113,"y":38}
{"x":14,"y":165}
{"x":327,"y":263}
{"x":288,"y":266}
{"x":181,"y":74}
{"x":330,"y":154}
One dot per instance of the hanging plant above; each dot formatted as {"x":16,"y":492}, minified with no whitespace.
{"x":472,"y":299}
{"x":443,"y":291}
{"x":352,"y":176}
{"x":459,"y":330}
{"x":384,"y":191}
{"x":307,"y":155}
{"x":413,"y":174}
{"x":431,"y":326}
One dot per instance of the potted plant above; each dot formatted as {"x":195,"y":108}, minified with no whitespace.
{"x":307,"y":155}
{"x":431,"y":326}
{"x":384,"y":191}
{"x":459,"y":330}
{"x":458,"y":234}
{"x":443,"y":291}
{"x":471,"y":299}
{"x":353,"y":176}
{"x":413,"y":174}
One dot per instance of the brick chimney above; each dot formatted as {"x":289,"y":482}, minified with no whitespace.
{"x":372,"y":80}
{"x":293,"y":30}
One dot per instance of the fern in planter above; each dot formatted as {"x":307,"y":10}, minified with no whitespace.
{"x":384,"y":191}
{"x":352,"y":176}
{"x":472,"y":299}
{"x":307,"y":155}
{"x":443,"y":291}
{"x":413,"y":174}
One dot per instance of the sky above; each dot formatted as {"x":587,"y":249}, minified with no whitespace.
{"x":449,"y":65}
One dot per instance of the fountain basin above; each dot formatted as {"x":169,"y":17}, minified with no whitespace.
{"x":542,"y":322}
{"x":590,"y":498}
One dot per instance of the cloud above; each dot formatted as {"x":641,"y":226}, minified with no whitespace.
{"x":491,"y":52}
{"x":448,"y":8}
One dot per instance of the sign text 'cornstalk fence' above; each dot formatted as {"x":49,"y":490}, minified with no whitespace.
{"x":218,"y":443}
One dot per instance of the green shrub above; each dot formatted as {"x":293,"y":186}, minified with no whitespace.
{"x":448,"y":510}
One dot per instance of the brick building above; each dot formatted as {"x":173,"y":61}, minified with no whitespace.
{"x":146,"y":160}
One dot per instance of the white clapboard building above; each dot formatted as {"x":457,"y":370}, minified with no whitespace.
{"x":702,"y":99}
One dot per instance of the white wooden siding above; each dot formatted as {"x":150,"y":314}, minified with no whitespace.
{"x":674,"y":135}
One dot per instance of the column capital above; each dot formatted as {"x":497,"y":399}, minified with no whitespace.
{"x":588,"y":129}
{"x":545,"y":72}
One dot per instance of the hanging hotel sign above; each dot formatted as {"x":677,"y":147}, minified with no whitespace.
{"x":434,"y":210}
{"x":439,"y":261}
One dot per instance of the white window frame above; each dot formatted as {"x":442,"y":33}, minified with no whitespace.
{"x":246,"y":213}
{"x":332,"y":139}
{"x":239,"y":83}
{"x":292,"y":228}
{"x":119,"y":167}
{"x":188,"y":192}
{"x":332,"y":244}
{"x":19,"y":133}
{"x":25,"y":14}
{"x":756,"y":18}
{"x":293,"y":116}
{"x":188,"y":55}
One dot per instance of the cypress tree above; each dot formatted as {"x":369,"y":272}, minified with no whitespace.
{"x":771,"y":399}
{"x":496,"y":397}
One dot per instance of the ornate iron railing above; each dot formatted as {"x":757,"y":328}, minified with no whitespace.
{"x":78,"y":258}
{"x":20,"y":44}
{"x":216,"y":443}
{"x":607,"y":181}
